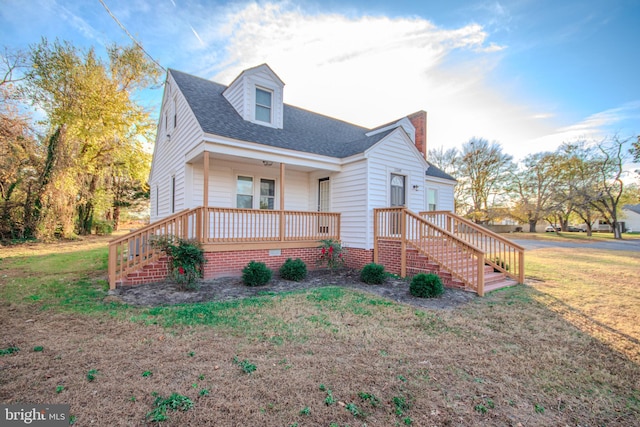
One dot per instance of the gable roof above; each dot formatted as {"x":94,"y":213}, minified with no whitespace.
{"x":252,"y":70}
{"x":632,"y":208}
{"x":435,"y":172}
{"x":303,"y":130}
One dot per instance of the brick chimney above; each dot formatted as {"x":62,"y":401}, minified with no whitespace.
{"x":419,"y":121}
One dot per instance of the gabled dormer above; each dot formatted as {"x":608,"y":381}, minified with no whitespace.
{"x":404,"y":123}
{"x":257,"y":95}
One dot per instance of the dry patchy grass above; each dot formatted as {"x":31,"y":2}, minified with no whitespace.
{"x":511,"y":358}
{"x":596,"y":290}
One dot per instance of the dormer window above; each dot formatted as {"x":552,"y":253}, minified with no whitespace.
{"x":263,"y":105}
{"x":257,"y":95}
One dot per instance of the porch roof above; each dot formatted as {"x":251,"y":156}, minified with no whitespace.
{"x":435,"y":172}
{"x":303,"y":130}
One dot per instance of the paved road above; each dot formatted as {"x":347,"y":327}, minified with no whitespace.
{"x":618,"y":245}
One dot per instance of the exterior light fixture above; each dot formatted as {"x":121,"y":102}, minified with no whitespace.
{"x":267,"y":163}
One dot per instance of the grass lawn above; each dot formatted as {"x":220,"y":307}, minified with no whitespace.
{"x":562,"y":350}
{"x":573,"y":236}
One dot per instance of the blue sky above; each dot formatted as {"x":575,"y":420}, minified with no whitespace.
{"x":528,"y":74}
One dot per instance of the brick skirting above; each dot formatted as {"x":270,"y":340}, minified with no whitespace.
{"x":230,"y":264}
{"x":224,"y":264}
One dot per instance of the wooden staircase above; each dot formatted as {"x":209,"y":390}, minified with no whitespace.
{"x":463,"y":254}
{"x":493,"y":279}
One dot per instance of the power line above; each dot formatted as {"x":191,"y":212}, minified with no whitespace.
{"x":130,"y":36}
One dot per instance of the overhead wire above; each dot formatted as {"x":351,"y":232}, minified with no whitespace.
{"x":136,"y":42}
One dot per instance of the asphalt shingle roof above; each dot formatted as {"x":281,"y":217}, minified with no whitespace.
{"x":302,"y":130}
{"x":438,"y":173}
{"x":632,"y":208}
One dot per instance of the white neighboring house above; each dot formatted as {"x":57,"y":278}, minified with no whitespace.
{"x":631,"y":217}
{"x":235,"y":140}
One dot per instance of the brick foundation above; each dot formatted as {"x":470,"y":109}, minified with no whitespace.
{"x":358,"y":258}
{"x":225,"y":264}
{"x":390,"y":257}
{"x":221,"y":264}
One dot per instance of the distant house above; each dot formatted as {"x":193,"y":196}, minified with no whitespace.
{"x":269,"y":180}
{"x":631,"y":217}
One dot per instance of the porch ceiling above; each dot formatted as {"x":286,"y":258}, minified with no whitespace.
{"x":292,"y":164}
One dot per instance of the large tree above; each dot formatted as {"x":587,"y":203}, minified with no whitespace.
{"x":93,"y":122}
{"x":20,"y":153}
{"x":449,"y":162}
{"x":578,"y":183}
{"x":533,"y":187}
{"x":609,"y":168}
{"x":596,"y":174}
{"x":483,"y":170}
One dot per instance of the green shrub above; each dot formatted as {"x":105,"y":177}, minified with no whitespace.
{"x":256,"y":274}
{"x":500,"y":263}
{"x":103,"y":228}
{"x":426,"y":285}
{"x":187,"y":259}
{"x":295,"y":270}
{"x":373,"y":274}
{"x":331,"y":254}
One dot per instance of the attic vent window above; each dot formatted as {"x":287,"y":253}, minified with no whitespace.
{"x":263,"y":105}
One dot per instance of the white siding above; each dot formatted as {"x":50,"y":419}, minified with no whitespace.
{"x":242,"y":95}
{"x":235,"y":96}
{"x":297,"y":193}
{"x":365,"y":185}
{"x":169,"y":153}
{"x":445,"y":201}
{"x":222,"y":184}
{"x":631,"y":219}
{"x":348,"y":191}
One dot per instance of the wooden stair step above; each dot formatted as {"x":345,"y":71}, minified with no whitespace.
{"x":499,"y":285}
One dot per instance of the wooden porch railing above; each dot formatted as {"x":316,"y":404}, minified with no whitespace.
{"x":250,"y":225}
{"x":500,"y":253}
{"x":219,"y":226}
{"x":460,"y":258}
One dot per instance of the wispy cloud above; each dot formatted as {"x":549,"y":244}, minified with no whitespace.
{"x":369,"y":70}
{"x":79,"y":24}
{"x":196,"y":34}
{"x":596,"y":127}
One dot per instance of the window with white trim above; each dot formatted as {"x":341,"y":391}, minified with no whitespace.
{"x":263,"y":105}
{"x":432,"y":199}
{"x":175,"y":112}
{"x":267,"y":193}
{"x":244,"y":192}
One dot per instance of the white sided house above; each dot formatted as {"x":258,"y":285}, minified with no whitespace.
{"x":253,"y":178}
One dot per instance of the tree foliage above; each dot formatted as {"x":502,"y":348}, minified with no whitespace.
{"x":579,"y":182}
{"x":90,"y":160}
{"x":533,"y":187}
{"x":483,"y":170}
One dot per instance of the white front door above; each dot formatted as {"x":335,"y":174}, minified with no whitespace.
{"x":397,"y":190}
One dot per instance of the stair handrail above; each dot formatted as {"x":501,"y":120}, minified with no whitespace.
{"x":505,"y":256}
{"x":122,"y":262}
{"x":471,"y":274}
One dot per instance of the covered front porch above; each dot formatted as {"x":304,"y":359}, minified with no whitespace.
{"x":230,"y":237}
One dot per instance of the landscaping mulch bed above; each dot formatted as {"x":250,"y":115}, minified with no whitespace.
{"x":231,"y":288}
